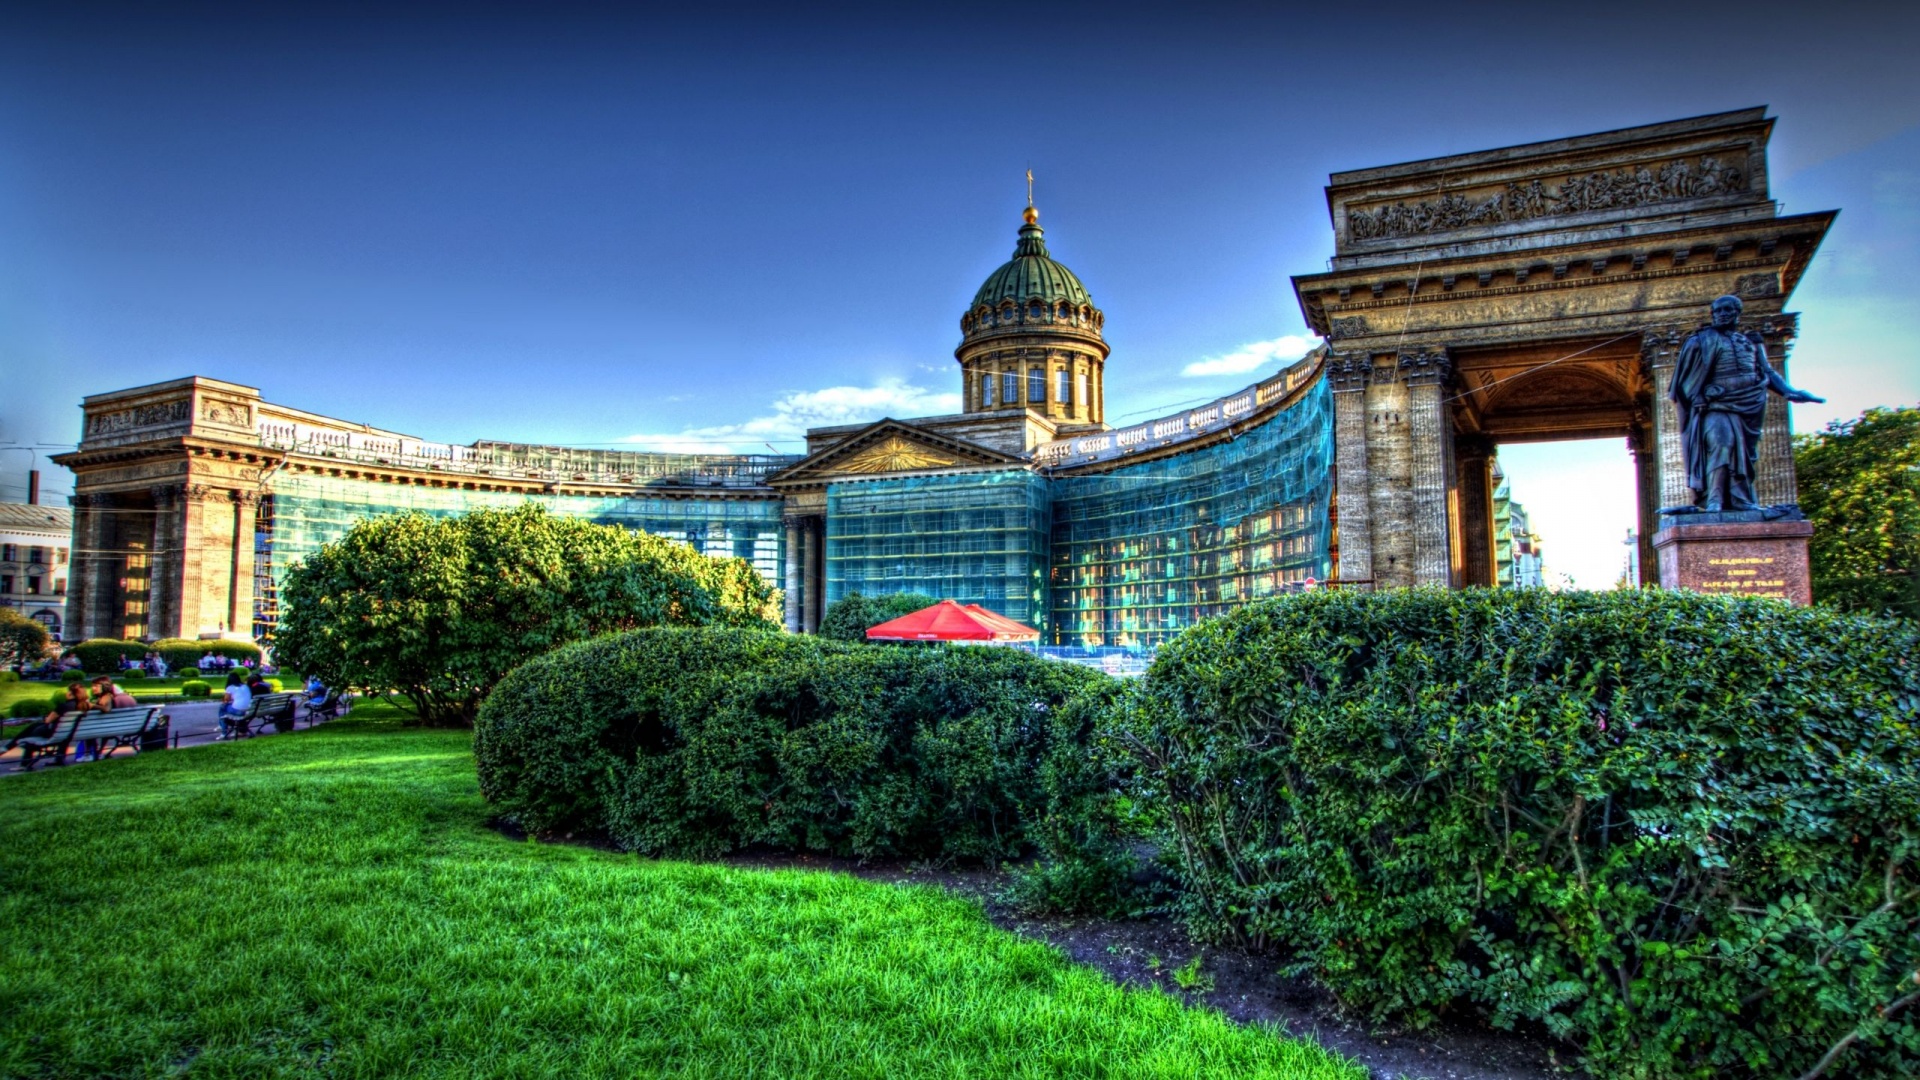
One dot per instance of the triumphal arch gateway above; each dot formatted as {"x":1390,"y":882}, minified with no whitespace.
{"x":1533,"y":292}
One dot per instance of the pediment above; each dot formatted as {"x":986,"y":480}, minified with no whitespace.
{"x":890,"y":446}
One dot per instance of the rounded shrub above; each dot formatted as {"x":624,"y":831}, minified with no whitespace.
{"x":704,"y":740}
{"x":31,"y":707}
{"x":9,"y":677}
{"x":195,"y":688}
{"x":1682,"y":832}
{"x":101,"y":656}
{"x":182,"y":653}
{"x":74,"y":675}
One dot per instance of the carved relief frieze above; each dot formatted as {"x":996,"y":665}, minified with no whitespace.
{"x":894,"y":455}
{"x":229,"y":413}
{"x":1682,"y":178}
{"x":144,"y":416}
{"x":1350,"y":326}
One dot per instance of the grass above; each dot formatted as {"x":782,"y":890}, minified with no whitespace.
{"x":332,"y":903}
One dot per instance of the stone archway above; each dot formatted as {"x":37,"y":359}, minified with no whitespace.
{"x":1536,"y":293}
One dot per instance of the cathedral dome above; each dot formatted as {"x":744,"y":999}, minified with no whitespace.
{"x":1032,"y":292}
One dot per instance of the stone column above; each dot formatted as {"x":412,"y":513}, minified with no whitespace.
{"x":240,"y":587}
{"x":1646,"y":479}
{"x":793,"y":577}
{"x":1473,"y":461}
{"x":1347,"y":377}
{"x":202,"y":563}
{"x":816,"y":572}
{"x":85,"y":568}
{"x":1426,"y":374}
{"x":163,"y":606}
{"x":1660,"y":351}
{"x":1776,"y":483}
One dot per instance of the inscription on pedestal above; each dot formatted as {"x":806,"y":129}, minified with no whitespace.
{"x":1761,"y":558}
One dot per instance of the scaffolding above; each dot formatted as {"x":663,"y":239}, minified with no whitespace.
{"x":1145,"y":551}
{"x":978,"y":538}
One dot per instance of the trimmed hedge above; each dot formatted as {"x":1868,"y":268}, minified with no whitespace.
{"x":34,"y":707}
{"x":101,"y":656}
{"x":194,"y":688}
{"x":1682,"y":832}
{"x":698,"y":741}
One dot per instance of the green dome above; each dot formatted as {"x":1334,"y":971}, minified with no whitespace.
{"x":1031,"y":275}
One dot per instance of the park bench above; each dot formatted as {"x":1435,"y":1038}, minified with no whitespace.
{"x":327,"y":708}
{"x":275,"y":709}
{"x":141,"y":727}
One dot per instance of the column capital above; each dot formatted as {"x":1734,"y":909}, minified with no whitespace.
{"x":246,"y":498}
{"x":200,"y":493}
{"x":1659,"y":345}
{"x":1428,"y":367}
{"x":1349,"y":372}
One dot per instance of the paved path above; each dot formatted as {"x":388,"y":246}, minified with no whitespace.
{"x":193,"y":724}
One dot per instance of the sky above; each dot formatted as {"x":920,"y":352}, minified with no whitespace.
{"x":587,"y":225}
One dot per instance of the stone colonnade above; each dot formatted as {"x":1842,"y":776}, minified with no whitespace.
{"x":806,"y":566}
{"x":166,"y":560}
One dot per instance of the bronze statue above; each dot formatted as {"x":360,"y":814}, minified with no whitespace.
{"x":1720,"y":386}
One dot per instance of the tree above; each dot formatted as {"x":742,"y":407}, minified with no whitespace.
{"x":22,"y":640}
{"x":849,"y":618}
{"x":439,"y":609}
{"x":1860,"y":486}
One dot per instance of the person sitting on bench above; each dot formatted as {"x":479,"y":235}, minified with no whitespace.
{"x":75,"y":701}
{"x":236,"y":703}
{"x":106,"y":696}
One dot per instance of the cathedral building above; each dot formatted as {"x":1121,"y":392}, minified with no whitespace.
{"x":193,"y":498}
{"x":1528,"y":293}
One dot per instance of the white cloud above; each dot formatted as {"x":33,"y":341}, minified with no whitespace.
{"x":1249,"y":357}
{"x":791,"y":415}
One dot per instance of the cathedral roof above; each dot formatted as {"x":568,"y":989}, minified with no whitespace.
{"x":1032,"y":274}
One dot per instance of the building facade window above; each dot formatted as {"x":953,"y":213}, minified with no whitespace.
{"x":33,"y":586}
{"x":37,"y":554}
{"x":1037,"y":385}
{"x":1066,"y":387}
{"x":986,"y":390}
{"x":1009,"y":388}
{"x":9,"y":552}
{"x":6,"y":583}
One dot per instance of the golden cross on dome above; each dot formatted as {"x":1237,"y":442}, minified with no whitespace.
{"x":1029,"y":187}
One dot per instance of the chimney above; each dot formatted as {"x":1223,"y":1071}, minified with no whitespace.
{"x":33,"y":487}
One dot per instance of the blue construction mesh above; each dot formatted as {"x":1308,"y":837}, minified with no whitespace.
{"x":979,"y":538}
{"x":1144,"y":551}
{"x":305,"y":512}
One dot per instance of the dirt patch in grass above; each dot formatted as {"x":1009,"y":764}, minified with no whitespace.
{"x":1243,"y":985}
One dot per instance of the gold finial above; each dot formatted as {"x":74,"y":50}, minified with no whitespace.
{"x":1031,"y":214}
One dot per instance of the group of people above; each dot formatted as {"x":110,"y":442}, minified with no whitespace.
{"x":100,"y":695}
{"x":243,"y":687}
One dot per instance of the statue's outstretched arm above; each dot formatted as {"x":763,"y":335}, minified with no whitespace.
{"x":1778,"y":384}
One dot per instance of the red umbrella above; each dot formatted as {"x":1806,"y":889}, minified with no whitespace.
{"x":948,"y":621}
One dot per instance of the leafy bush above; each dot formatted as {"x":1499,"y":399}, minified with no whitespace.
{"x":9,"y":677}
{"x":22,"y":640}
{"x":1860,"y":486}
{"x":850,"y":617}
{"x":1681,"y":831}
{"x":195,"y":688}
{"x":699,"y":741}
{"x":74,"y":675}
{"x":440,"y":608}
{"x":33,"y":707}
{"x":185,"y":653}
{"x":101,"y":656}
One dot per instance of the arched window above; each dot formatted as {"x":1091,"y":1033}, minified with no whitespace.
{"x":1034,"y":311}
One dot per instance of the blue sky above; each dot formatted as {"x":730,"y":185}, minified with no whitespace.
{"x":606,"y":227}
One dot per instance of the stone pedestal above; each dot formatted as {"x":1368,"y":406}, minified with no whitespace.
{"x":1739,"y":558}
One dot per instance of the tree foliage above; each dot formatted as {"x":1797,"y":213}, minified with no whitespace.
{"x":1860,"y":486}
{"x":439,"y":609}
{"x":22,"y":640}
{"x":1682,"y":832}
{"x":850,"y":617}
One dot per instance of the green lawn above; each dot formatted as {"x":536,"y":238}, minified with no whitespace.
{"x":332,"y":903}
